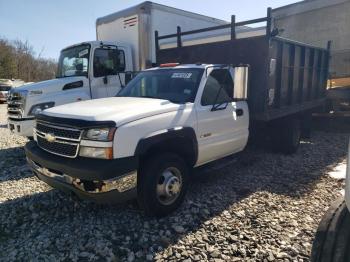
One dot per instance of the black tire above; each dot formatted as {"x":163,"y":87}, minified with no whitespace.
{"x":286,"y":135}
{"x":332,"y":240}
{"x":149,"y":178}
{"x":306,"y":125}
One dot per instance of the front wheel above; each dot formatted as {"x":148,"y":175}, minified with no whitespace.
{"x":162,"y":184}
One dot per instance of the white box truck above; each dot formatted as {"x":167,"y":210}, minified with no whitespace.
{"x":97,"y":69}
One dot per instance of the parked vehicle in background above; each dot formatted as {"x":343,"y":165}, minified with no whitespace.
{"x":5,"y":87}
{"x":332,"y":240}
{"x":338,"y":99}
{"x":96,"y":69}
{"x":172,"y":118}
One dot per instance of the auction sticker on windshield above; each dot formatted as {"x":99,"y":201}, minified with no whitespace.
{"x":84,"y":52}
{"x":181,"y":75}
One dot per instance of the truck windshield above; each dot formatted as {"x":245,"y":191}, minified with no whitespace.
{"x":74,"y":61}
{"x":176,"y":85}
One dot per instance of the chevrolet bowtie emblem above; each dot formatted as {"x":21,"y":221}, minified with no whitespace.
{"x":50,"y":137}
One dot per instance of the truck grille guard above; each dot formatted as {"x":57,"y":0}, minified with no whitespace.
{"x":15,"y":104}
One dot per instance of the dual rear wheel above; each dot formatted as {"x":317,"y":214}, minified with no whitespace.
{"x":286,"y":135}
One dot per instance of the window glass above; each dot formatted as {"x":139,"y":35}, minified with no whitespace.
{"x":5,"y":88}
{"x":108,"y":62}
{"x":175,"y":85}
{"x":74,"y":61}
{"x":121,"y":57}
{"x":219,"y":88}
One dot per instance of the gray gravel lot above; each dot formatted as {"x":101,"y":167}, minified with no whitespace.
{"x":262,"y":207}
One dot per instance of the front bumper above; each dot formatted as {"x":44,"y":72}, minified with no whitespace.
{"x":102,"y":181}
{"x":22,"y":127}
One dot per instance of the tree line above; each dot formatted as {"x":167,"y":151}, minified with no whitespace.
{"x":19,"y":61}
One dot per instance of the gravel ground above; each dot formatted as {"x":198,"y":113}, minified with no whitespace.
{"x":261,"y":207}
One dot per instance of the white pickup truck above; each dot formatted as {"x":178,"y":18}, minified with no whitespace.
{"x":96,"y":69}
{"x":144,"y":141}
{"x":332,"y":240}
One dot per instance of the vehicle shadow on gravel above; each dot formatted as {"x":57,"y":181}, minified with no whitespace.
{"x":13,"y":165}
{"x":47,"y":225}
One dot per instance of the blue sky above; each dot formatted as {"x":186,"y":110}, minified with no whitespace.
{"x":50,"y":25}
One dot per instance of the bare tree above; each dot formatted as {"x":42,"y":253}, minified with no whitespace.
{"x":18,"y":60}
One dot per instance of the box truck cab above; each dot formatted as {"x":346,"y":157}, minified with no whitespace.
{"x":87,"y":70}
{"x":96,"y":69}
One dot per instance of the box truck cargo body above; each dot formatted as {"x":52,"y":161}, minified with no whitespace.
{"x":136,"y":25}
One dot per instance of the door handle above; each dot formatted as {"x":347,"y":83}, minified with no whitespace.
{"x":239,"y":112}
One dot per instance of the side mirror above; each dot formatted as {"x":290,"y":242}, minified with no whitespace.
{"x":241,"y":82}
{"x":128,"y":77}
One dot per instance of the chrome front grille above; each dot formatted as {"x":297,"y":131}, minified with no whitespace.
{"x":60,"y":132}
{"x":58,"y":140}
{"x":15,"y":105}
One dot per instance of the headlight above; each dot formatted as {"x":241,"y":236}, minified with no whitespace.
{"x":36,"y":109}
{"x":96,"y":152}
{"x":99,"y":134}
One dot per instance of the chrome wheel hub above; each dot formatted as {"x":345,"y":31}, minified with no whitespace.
{"x":169,"y":185}
{"x":172,"y":187}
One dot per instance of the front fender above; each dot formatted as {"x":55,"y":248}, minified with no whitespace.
{"x":182,"y":139}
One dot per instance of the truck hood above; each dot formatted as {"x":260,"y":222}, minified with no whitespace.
{"x":119,"y":109}
{"x":48,"y":86}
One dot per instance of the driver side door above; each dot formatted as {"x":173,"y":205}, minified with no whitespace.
{"x":107,"y":61}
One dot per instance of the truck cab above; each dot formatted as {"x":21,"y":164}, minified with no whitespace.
{"x":86,"y":71}
{"x":144,"y":142}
